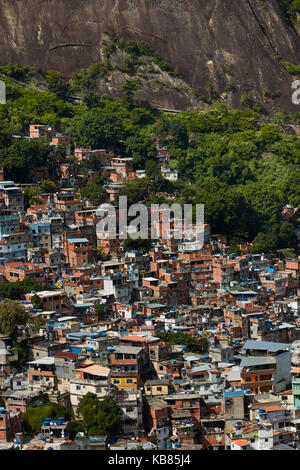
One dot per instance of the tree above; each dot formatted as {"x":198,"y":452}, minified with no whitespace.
{"x":93,"y":192}
{"x":234,"y":249}
{"x":137,"y":190}
{"x":153,"y":171}
{"x":57,"y":84}
{"x":226,"y":211}
{"x":139,"y":244}
{"x":179,"y":133}
{"x":22,"y":155}
{"x":31,"y":196}
{"x":12,"y":316}
{"x":99,"y":310}
{"x":287,"y":236}
{"x":196,"y":345}
{"x":57,"y":157}
{"x":99,"y":417}
{"x":36,"y":302}
{"x":97,"y":128}
{"x":141,"y":148}
{"x":48,"y":186}
{"x":91,"y":100}
{"x":33,"y":418}
{"x":264,"y":242}
{"x":16,"y":290}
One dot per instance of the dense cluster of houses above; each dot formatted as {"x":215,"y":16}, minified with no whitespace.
{"x":103,"y":320}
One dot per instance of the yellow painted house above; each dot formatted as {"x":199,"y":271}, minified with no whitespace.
{"x":157,"y":387}
{"x":126,"y":364}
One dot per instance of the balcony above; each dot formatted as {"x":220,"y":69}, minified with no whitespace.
{"x":123,"y":361}
{"x":258,"y":383}
{"x":258,"y":372}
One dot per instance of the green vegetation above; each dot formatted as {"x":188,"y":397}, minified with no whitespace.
{"x":57,"y":84}
{"x":127,"y":66}
{"x":96,"y":417}
{"x":241,"y":168}
{"x":13,"y":319}
{"x":36,"y":302}
{"x":290,"y":7}
{"x":47,"y":186}
{"x":22,"y":155}
{"x":16,"y":290}
{"x":248,"y":100}
{"x":292,"y":69}
{"x":195,"y":345}
{"x":136,"y":57}
{"x":13,"y":316}
{"x":137,"y":190}
{"x":93,"y":191}
{"x":33,"y":418}
{"x":139,"y":244}
{"x":23,"y":74}
{"x":97,"y":128}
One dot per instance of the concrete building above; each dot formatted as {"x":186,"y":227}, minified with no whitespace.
{"x":277,"y":365}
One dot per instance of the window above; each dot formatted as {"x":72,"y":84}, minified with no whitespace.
{"x":129,"y":381}
{"x":78,"y":387}
{"x":117,"y":381}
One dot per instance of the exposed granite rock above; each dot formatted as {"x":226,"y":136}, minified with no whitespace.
{"x":216,"y":41}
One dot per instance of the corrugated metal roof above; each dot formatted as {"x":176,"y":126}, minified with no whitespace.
{"x":265,"y":345}
{"x":256,"y":361}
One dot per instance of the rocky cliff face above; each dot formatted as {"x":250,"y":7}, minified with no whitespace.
{"x":212,"y":43}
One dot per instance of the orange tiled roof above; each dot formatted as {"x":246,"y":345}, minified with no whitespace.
{"x":273,"y":408}
{"x":94,"y":369}
{"x":136,"y":338}
{"x":241,"y":442}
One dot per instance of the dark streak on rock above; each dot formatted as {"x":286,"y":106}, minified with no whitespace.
{"x":59,"y":46}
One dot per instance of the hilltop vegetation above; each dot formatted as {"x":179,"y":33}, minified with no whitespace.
{"x":244,"y":169}
{"x":290,"y":7}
